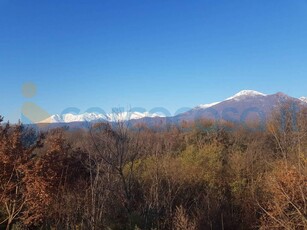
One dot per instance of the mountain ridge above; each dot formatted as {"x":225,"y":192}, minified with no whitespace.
{"x":237,"y":104}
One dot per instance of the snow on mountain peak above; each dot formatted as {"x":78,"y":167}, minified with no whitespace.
{"x":89,"y":117}
{"x":125,"y":116}
{"x":240,"y":95}
{"x":303,"y":99}
{"x":69,"y":117}
{"x":246,"y":93}
{"x":205,"y":106}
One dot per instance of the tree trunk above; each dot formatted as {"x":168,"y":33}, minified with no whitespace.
{"x":8,"y":226}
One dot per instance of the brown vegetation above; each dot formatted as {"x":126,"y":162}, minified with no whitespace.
{"x":142,"y":178}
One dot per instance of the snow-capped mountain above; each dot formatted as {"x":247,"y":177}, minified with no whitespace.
{"x":95,"y":117}
{"x":237,"y":107}
{"x":246,"y":94}
{"x":303,"y":99}
{"x":246,"y":103}
{"x":67,"y":118}
{"x":125,"y":116}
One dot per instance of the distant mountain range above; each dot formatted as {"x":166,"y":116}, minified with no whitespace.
{"x":247,"y":104}
{"x":94,"y":117}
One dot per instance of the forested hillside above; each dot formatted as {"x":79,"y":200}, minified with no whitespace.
{"x":200,"y":175}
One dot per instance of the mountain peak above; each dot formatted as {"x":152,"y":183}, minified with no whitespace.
{"x":246,"y":93}
{"x":281,"y":94}
{"x":303,"y":99}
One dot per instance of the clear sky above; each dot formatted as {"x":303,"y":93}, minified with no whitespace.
{"x":148,"y":53}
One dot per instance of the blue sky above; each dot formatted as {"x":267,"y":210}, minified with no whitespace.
{"x":148,"y":53}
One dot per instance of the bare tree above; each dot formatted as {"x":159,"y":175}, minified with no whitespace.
{"x":115,"y":152}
